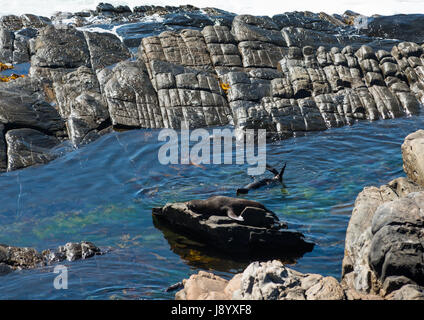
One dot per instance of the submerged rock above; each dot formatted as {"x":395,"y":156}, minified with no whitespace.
{"x":18,"y":258}
{"x":259,"y":234}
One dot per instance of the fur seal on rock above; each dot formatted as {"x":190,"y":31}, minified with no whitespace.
{"x":226,"y":206}
{"x":278,"y":178}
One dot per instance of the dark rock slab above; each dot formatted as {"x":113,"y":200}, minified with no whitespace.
{"x":407,"y":27}
{"x":260,"y":236}
{"x":34,"y":21}
{"x":20,"y":109}
{"x":307,"y":20}
{"x":252,"y":28}
{"x":11,"y":22}
{"x":6,"y":45}
{"x":106,"y":49}
{"x":63,"y":47}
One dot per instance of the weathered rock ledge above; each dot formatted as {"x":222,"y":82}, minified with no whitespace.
{"x":17,"y":258}
{"x":259,"y":235}
{"x":384,"y":250}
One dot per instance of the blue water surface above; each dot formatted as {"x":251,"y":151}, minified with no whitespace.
{"x":104,"y":192}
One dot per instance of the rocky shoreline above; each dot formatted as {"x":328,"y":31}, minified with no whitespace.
{"x":292,"y":73}
{"x":383,"y":251}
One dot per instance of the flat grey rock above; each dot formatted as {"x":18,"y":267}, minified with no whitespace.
{"x":234,"y":237}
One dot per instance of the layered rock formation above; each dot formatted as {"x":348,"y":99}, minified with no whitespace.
{"x":384,"y":250}
{"x":289,"y":73}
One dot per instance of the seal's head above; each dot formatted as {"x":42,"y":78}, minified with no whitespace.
{"x":198,"y":206}
{"x":194,"y":205}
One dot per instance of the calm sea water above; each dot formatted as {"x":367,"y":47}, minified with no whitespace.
{"x":104,"y":193}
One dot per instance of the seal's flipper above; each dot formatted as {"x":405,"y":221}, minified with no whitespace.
{"x":280,"y":175}
{"x":232,"y":215}
{"x":271,"y":169}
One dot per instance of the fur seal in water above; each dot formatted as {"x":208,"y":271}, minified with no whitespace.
{"x":278,"y":178}
{"x":226,"y":206}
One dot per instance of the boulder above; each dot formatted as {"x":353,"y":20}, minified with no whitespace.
{"x":106,"y":49}
{"x":413,"y":156}
{"x":262,"y":281}
{"x":260,"y":236}
{"x":6,"y":45}
{"x":206,"y":286}
{"x":81,"y":104}
{"x":27,"y":147}
{"x":382,"y":238}
{"x":76,"y":251}
{"x":130,"y":96}
{"x":396,"y":246}
{"x":11,"y":22}
{"x":70,"y":52}
{"x":33,"y":21}
{"x":21,"y":51}
{"x":300,"y":37}
{"x":273,"y":281}
{"x":22,"y":109}
{"x":252,"y":28}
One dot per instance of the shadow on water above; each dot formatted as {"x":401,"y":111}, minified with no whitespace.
{"x":200,"y":255}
